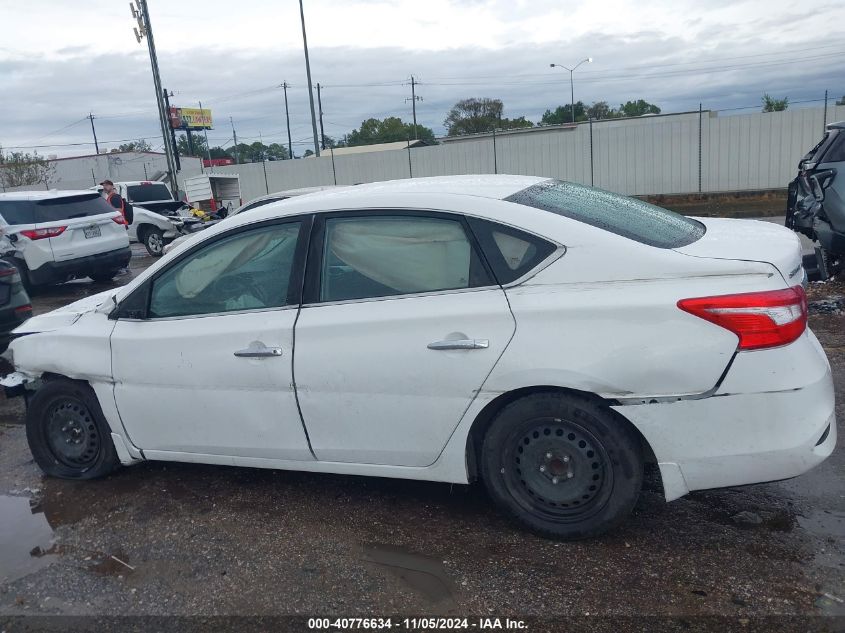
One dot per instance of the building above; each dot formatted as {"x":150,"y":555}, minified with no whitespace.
{"x":81,"y":172}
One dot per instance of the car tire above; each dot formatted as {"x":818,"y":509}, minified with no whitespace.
{"x":154,"y":241}
{"x":566,"y":467}
{"x":67,"y":432}
{"x":104,"y":276}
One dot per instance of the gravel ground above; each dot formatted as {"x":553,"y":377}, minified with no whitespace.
{"x":180,"y":539}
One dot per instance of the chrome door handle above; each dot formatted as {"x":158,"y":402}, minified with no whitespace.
{"x":257,"y":349}
{"x":466,"y":343}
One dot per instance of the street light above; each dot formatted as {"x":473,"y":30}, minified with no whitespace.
{"x":571,"y":84}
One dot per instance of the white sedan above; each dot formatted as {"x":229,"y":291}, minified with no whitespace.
{"x":544,"y":337}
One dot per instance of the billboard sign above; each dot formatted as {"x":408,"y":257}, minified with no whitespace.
{"x":190,"y":118}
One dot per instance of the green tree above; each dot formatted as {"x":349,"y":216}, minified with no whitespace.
{"x":601,"y":110}
{"x":514,"y":124}
{"x":770,"y":104}
{"x":19,"y":169}
{"x":199,"y":146}
{"x":638,"y":108}
{"x":389,"y":130}
{"x":140,"y":145}
{"x":841,"y":101}
{"x":258,"y":151}
{"x":563,"y":114}
{"x":473,"y":116}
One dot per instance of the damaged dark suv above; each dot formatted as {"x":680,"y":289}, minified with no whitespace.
{"x":816,"y":202}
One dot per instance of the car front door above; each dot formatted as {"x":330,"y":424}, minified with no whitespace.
{"x":402,"y":324}
{"x":202,"y":354}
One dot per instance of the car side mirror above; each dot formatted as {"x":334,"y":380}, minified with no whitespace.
{"x":135,"y":305}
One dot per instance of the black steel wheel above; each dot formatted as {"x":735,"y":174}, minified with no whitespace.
{"x":67,"y":433}
{"x":564,"y":466}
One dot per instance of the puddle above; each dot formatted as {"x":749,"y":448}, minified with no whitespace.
{"x":423,"y":574}
{"x":25,"y":539}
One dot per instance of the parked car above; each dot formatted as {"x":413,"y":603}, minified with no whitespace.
{"x":544,"y":337}
{"x":157,"y":217}
{"x":260,"y":202}
{"x":15,"y":307}
{"x":53,"y":236}
{"x":816,"y":200}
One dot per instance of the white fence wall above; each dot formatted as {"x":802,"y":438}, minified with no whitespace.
{"x":650,"y":155}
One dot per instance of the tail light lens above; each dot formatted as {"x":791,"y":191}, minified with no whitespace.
{"x":25,"y":309}
{"x":759,"y":319}
{"x":8,"y":272}
{"x":119,"y":219}
{"x":40,"y":234}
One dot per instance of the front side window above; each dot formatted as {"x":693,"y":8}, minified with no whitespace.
{"x":248,"y":271}
{"x":382,"y":256}
{"x":628,"y":217}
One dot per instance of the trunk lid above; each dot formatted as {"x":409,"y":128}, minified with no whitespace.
{"x":750,"y":240}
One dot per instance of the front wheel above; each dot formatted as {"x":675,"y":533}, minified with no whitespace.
{"x":154,"y":242}
{"x":563,"y":466}
{"x":67,"y":432}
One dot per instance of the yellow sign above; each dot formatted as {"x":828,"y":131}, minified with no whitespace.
{"x":190,"y":118}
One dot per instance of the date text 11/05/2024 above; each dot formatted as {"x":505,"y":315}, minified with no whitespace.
{"x":424,"y":623}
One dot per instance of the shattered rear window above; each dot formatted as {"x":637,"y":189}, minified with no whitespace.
{"x":628,"y":217}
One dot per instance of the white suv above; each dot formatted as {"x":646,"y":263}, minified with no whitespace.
{"x":54,"y":236}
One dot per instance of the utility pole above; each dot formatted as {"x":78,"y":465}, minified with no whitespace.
{"x":172,"y":132}
{"x":141,"y":13}
{"x":287,"y":120}
{"x":320,"y":108}
{"x":94,"y":132}
{"x":207,"y":146}
{"x":414,"y":98}
{"x":310,"y":87}
{"x":235,"y":137}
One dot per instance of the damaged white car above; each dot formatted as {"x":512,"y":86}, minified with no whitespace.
{"x":546,"y":338}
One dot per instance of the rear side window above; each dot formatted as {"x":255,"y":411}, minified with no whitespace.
{"x":510,"y":252}
{"x":152,"y":192}
{"x":53,"y":209}
{"x":836,"y":151}
{"x":628,"y":217}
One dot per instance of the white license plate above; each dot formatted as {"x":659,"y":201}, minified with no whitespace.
{"x":91,"y":231}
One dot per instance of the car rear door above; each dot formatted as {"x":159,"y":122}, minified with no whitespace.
{"x":402,"y":324}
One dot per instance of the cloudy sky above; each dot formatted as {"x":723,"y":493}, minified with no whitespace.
{"x":61,"y":59}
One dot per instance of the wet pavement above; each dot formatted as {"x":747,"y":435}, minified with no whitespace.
{"x":190,"y":539}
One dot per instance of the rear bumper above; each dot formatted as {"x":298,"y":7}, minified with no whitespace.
{"x":773,"y":418}
{"x":52,"y":272}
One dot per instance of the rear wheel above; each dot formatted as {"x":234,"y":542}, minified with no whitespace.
{"x":154,"y":241}
{"x":67,"y":433}
{"x":563,"y":466}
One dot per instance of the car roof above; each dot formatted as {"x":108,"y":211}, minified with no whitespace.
{"x":45,"y":195}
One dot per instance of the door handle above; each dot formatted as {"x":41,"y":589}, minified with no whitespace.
{"x":466,"y":343}
{"x":257,"y":349}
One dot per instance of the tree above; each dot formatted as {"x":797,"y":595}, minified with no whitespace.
{"x":473,"y":116}
{"x":841,"y":101}
{"x":514,"y":124}
{"x":19,"y":169}
{"x":258,"y":151}
{"x":199,"y":146}
{"x":389,"y":130}
{"x":563,"y":114}
{"x":770,"y":104}
{"x":601,"y":110}
{"x":140,"y":145}
{"x":638,"y":108}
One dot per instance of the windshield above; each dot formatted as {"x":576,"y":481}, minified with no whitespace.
{"x":54,"y":209}
{"x":149,"y":192}
{"x":628,"y":217}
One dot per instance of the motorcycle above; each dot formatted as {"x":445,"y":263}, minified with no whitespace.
{"x":815,"y":203}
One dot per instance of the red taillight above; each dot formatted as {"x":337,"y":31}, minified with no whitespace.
{"x":40,"y":234}
{"x":759,"y":319}
{"x":23,"y":309}
{"x":119,"y":219}
{"x":5,"y":272}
